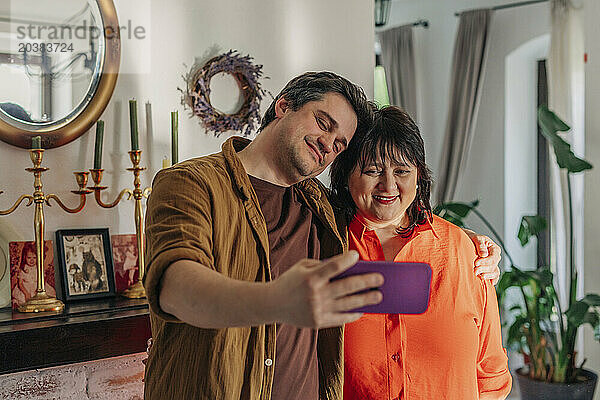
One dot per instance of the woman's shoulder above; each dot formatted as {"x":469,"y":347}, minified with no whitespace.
{"x":447,"y":229}
{"x":449,"y":235}
{"x":461,"y":254}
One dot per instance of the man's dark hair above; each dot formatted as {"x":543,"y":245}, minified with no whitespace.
{"x":312,"y":86}
{"x":395,"y":136}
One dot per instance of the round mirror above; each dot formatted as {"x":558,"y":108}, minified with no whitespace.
{"x":59,"y":61}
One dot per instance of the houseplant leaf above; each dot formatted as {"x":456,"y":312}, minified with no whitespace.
{"x":592,"y":318}
{"x":531,"y":225}
{"x":460,"y":209}
{"x":566,"y":158}
{"x":551,"y":124}
{"x":592,"y":299}
{"x":577,"y":312}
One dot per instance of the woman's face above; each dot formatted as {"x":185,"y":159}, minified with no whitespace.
{"x":383,"y":192}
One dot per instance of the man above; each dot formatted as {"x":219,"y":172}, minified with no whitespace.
{"x":241,"y":308}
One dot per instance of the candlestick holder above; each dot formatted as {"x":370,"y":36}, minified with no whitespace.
{"x":41,"y":301}
{"x":136,"y":291}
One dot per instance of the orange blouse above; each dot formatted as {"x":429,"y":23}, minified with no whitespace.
{"x":452,"y":351}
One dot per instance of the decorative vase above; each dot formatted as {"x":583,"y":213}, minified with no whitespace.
{"x":539,"y":390}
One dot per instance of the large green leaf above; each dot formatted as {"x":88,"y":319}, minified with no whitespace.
{"x":576,"y":314}
{"x":535,"y":283}
{"x":551,"y":124}
{"x":567,"y":159}
{"x":592,"y":299}
{"x":459,"y":209}
{"x":531,"y":225}
{"x":513,"y":278}
{"x":455,"y":212}
{"x":592,"y":318}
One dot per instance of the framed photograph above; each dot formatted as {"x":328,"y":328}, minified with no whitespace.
{"x":23,"y":271}
{"x":86,"y":266}
{"x":5,"y":300}
{"x":125,"y":259}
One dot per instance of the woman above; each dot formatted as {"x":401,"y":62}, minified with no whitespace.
{"x":453,"y":350}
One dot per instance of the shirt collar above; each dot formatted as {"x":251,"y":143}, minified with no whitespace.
{"x":358,"y":228}
{"x":235,"y":144}
{"x":238,"y":173}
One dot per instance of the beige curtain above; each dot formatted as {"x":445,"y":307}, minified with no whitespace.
{"x":398,"y":59}
{"x":468,"y":67}
{"x":565,"y":98}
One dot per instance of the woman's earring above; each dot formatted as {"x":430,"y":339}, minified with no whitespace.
{"x":417,"y":187}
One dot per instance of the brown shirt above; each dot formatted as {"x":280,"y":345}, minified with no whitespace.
{"x":206,"y":210}
{"x":292,"y":237}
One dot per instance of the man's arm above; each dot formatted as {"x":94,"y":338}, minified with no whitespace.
{"x":302,"y":296}
{"x":183,"y":283}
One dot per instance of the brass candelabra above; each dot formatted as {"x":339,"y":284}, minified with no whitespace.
{"x":41,"y":301}
{"x":136,"y":291}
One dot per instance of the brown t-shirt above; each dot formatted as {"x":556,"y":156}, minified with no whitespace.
{"x":292,"y":237}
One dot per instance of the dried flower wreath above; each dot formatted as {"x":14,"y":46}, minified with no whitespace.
{"x":247,"y":75}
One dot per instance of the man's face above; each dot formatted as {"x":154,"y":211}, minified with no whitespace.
{"x":309,"y":139}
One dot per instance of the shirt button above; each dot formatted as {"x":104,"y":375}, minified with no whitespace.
{"x":268,"y":362}
{"x":395,"y":357}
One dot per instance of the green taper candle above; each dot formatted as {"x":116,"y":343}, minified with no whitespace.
{"x":36,"y":142}
{"x":133,"y":125}
{"x":98,"y":148}
{"x":174,"y":137}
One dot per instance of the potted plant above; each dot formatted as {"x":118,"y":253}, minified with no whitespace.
{"x":543,"y":329}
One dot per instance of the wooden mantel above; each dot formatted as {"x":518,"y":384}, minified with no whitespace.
{"x":86,"y":331}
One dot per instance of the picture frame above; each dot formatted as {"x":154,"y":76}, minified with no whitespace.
{"x":23,"y":271}
{"x":85,"y":263}
{"x":125,"y":260}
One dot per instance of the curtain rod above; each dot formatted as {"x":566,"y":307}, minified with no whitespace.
{"x":422,"y":22}
{"x":512,"y":5}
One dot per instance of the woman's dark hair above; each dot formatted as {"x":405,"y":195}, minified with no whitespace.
{"x":312,"y":86}
{"x":395,"y":136}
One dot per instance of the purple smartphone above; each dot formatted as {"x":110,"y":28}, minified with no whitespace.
{"x":405,"y":290}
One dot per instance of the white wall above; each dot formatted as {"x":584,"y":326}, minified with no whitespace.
{"x":592,"y":178}
{"x":287,"y":37}
{"x":520,"y":144}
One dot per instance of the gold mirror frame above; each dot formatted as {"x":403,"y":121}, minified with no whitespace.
{"x":64,"y":132}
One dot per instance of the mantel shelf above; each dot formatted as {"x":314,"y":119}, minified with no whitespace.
{"x":86,"y":331}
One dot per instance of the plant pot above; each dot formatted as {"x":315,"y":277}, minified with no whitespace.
{"x":538,"y":390}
